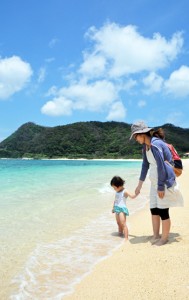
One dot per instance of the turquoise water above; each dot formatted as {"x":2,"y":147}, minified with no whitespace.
{"x":56,"y":222}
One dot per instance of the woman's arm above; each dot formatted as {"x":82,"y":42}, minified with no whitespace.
{"x":145,"y":165}
{"x":144,"y":171}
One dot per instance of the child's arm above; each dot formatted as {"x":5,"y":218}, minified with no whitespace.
{"x":127,"y":194}
{"x":113,"y":207}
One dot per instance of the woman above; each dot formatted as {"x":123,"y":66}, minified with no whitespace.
{"x":164,"y":191}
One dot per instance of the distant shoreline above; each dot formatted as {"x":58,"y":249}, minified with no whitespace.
{"x":91,"y":159}
{"x":96,"y":159}
{"x":88,"y":159}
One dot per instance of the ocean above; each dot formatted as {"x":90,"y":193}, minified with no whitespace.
{"x":56,"y":222}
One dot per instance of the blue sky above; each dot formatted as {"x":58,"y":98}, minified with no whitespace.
{"x":64,"y":61}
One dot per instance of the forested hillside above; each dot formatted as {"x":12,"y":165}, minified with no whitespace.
{"x":83,"y":140}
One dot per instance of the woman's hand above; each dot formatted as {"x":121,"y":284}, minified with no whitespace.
{"x":161,"y":194}
{"x":138,"y":188}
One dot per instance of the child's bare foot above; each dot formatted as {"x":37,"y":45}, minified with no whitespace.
{"x":161,"y":242}
{"x":121,"y":234}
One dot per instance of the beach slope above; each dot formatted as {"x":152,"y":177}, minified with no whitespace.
{"x":139,"y":270}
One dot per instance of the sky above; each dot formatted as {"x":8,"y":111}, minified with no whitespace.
{"x":68,"y":61}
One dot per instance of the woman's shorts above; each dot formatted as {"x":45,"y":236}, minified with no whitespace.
{"x":118,"y":210}
{"x":162,"y":212}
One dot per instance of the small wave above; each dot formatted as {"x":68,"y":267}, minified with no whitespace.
{"x":52,"y":270}
{"x":106,"y":188}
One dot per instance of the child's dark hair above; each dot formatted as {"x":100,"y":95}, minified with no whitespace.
{"x":117,"y":181}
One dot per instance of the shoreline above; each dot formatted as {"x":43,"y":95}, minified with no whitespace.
{"x":91,"y":159}
{"x":94,"y":230}
{"x":138,"y":270}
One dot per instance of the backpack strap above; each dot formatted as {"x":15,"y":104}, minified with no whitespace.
{"x":163,"y":155}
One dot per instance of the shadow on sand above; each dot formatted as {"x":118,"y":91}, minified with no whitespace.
{"x":173,"y":238}
{"x":120,"y":235}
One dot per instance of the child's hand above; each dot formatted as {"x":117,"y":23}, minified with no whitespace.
{"x":112,"y":211}
{"x":127,"y":194}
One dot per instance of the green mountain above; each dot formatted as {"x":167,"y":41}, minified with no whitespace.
{"x":83,"y":140}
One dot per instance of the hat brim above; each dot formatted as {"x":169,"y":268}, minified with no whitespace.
{"x":140,"y":131}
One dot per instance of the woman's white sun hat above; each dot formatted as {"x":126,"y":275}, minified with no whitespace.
{"x":139,"y":127}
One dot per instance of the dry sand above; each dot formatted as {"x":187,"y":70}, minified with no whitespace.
{"x":139,"y":270}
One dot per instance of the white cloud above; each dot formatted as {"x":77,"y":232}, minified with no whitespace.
{"x":96,"y":96}
{"x":92,"y":97}
{"x":153,"y":83}
{"x":93,"y":66}
{"x":178,"y":82}
{"x":116,"y":53}
{"x":141,"y":103}
{"x":117,"y":112}
{"x":53,"y":91}
{"x":127,"y":85}
{"x":57,"y":107}
{"x":14,"y":74}
{"x":127,"y":51}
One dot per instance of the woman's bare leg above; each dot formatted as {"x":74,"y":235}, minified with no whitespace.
{"x":166,"y":225}
{"x":156,"y":227}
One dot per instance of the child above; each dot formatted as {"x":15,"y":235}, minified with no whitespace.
{"x":119,"y":206}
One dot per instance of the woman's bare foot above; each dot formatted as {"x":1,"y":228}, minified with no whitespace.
{"x":155,"y":239}
{"x":161,"y":242}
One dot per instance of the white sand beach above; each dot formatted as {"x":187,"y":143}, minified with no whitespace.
{"x":139,"y":270}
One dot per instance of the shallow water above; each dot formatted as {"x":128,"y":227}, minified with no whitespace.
{"x":56,"y":222}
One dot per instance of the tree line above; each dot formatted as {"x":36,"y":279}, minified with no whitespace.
{"x":83,"y":140}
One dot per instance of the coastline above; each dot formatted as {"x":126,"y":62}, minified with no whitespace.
{"x":138,"y":270}
{"x":35,"y":215}
{"x":95,"y":159}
